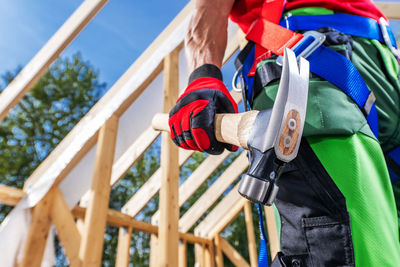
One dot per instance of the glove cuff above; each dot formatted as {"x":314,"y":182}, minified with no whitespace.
{"x":206,"y":70}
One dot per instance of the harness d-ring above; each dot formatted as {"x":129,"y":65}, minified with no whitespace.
{"x":238,"y":74}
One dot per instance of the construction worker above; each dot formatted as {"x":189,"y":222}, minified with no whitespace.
{"x":335,"y":201}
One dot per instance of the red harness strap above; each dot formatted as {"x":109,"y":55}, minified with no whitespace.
{"x":272,"y":37}
{"x":269,"y":37}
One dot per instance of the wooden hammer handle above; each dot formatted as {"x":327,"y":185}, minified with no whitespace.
{"x":229,"y":128}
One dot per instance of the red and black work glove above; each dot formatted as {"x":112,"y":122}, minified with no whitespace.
{"x":191,"y":120}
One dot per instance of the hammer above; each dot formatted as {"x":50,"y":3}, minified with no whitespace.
{"x":272,"y":137}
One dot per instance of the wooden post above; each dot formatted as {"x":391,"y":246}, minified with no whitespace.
{"x":169,"y":206}
{"x":67,"y":230}
{"x":38,"y":232}
{"x":182,"y":253}
{"x":250,"y":234}
{"x":232,"y":254}
{"x":272,"y":231}
{"x":10,"y":195}
{"x":154,"y":251}
{"x":124,"y":244}
{"x":96,"y":214}
{"x":198,"y":255}
{"x":209,"y":255}
{"x":219,"y":258}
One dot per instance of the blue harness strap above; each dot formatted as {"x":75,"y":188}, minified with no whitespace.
{"x":393,"y":162}
{"x":342,"y":73}
{"x":248,"y":80}
{"x":348,"y":24}
{"x":263,"y":253}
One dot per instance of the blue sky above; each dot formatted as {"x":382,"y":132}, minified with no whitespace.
{"x":111,"y":42}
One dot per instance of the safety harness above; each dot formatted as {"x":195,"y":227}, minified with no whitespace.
{"x":270,"y":34}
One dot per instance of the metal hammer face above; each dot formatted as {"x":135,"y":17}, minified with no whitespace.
{"x":276,"y":133}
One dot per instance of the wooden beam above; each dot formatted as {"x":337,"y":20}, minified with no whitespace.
{"x":95,"y":221}
{"x":390,"y":9}
{"x":10,"y":195}
{"x":148,"y":190}
{"x":38,"y":232}
{"x":219,"y":258}
{"x":169,"y":206}
{"x":219,"y":212}
{"x":153,"y":262}
{"x":118,"y":219}
{"x":248,"y":216}
{"x":209,"y":256}
{"x":67,"y":230}
{"x":197,"y":178}
{"x":124,"y":245}
{"x":182,"y":254}
{"x":39,"y":64}
{"x":272,"y":231}
{"x":231,"y":253}
{"x":132,"y":154}
{"x":213,"y":192}
{"x":229,"y":216}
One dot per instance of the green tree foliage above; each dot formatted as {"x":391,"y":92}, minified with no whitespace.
{"x":44,"y":116}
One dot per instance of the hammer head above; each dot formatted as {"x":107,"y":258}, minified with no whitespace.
{"x":276,"y":133}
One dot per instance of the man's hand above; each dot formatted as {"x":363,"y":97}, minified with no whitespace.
{"x":191,"y":120}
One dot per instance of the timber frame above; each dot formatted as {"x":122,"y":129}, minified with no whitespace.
{"x":81,"y":228}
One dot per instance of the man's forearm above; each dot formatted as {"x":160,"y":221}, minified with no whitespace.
{"x":207,"y":34}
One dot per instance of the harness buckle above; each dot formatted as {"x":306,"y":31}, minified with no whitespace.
{"x":383,"y":24}
{"x":306,"y":46}
{"x":239,"y":85}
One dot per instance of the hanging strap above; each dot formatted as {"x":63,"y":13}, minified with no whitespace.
{"x":263,"y":253}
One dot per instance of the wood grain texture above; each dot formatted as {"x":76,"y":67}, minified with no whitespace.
{"x":91,"y":248}
{"x":116,"y":218}
{"x":213,"y":192}
{"x":66,"y":228}
{"x":248,"y":216}
{"x":10,"y":196}
{"x":290,"y":133}
{"x":124,"y":244}
{"x":148,"y":190}
{"x":272,"y":231}
{"x":182,"y":254}
{"x":231,"y":253}
{"x":168,"y":237}
{"x":219,"y":258}
{"x":228,"y":217}
{"x":153,"y":261}
{"x":197,"y":178}
{"x":38,"y":232}
{"x":132,"y":154}
{"x":217,"y":215}
{"x":209,"y":256}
